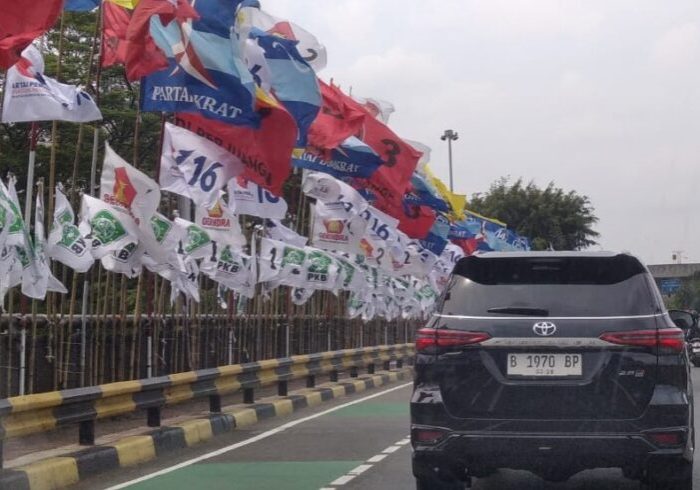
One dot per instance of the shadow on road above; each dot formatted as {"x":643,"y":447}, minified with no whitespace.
{"x":589,"y":480}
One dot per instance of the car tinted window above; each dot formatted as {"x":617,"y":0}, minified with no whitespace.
{"x":562,"y":287}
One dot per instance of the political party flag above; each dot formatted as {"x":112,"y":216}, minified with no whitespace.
{"x":458,"y":202}
{"x":168,"y":235}
{"x":143,"y":56}
{"x":328,"y":189}
{"x":133,"y":193}
{"x":127,"y":4}
{"x":197,"y":244}
{"x":246,"y":197}
{"x":350,"y":276}
{"x":81,"y":5}
{"x":32,"y":96}
{"x":352,"y":159}
{"x":391,"y":179}
{"x":106,"y":228}
{"x":310,"y":49}
{"x":424,"y":193}
{"x":220,"y":223}
{"x":37,"y":277}
{"x":335,"y":228}
{"x":425,"y":156}
{"x":265,"y":151}
{"x":115,"y":22}
{"x":379,"y":109}
{"x":205,"y":73}
{"x":340,"y":117}
{"x":195,"y":167}
{"x":291,"y":79}
{"x":277,"y":231}
{"x":66,"y":244}
{"x":127,"y":260}
{"x":321,"y":271}
{"x":282,"y":263}
{"x":21,"y":22}
{"x":232,"y":268}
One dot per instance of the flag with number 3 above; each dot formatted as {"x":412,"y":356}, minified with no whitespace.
{"x":195,"y":167}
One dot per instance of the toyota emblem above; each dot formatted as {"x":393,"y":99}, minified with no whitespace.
{"x":545,"y":329}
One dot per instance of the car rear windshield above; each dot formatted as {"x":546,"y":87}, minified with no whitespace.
{"x":550,"y":286}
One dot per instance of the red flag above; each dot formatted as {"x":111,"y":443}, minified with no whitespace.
{"x":336,"y":120}
{"x":390,"y":181}
{"x":115,"y":21}
{"x":143,"y":56}
{"x":266,"y":151}
{"x":22,"y":21}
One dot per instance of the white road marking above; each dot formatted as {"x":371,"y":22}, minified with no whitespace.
{"x":255,"y":439}
{"x":364,"y":467}
{"x":377,"y":458}
{"x":342,"y":480}
{"x":360,"y":469}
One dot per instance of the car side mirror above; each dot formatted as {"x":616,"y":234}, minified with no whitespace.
{"x":683,"y":319}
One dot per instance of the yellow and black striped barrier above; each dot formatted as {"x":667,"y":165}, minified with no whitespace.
{"x":24,"y":415}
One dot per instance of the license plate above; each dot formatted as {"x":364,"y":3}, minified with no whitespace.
{"x":533,"y":364}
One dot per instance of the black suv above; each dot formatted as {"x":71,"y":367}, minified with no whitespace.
{"x":552,"y":362}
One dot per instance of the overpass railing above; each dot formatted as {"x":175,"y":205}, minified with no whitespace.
{"x":24,"y":415}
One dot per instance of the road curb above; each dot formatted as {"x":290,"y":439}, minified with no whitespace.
{"x":60,"y":472}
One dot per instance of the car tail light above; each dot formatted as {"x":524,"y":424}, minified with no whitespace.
{"x":671,"y":438}
{"x":670,"y":338}
{"x":438,"y":339}
{"x":427,"y":435}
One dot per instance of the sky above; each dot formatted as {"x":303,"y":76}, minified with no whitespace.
{"x":600,"y":97}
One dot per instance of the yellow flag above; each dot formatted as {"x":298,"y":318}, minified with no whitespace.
{"x":456,"y":201}
{"x":129,"y":4}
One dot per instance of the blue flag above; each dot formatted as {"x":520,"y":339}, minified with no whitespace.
{"x":426,"y":195}
{"x":81,"y":5}
{"x":206,"y":73}
{"x":352,"y":159}
{"x":292,"y":80}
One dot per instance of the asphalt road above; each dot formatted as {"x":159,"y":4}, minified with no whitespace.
{"x":358,"y":442}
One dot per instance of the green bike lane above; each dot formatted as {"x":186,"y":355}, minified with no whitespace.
{"x":310,"y":449}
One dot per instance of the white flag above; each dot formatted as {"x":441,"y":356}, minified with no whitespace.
{"x":127,"y":188}
{"x":321,"y":271}
{"x":134,"y":194}
{"x":107,"y":229}
{"x":327,"y":188}
{"x":309,"y":47}
{"x":127,"y":260}
{"x":380,"y":109}
{"x":246,"y":197}
{"x":277,"y":231}
{"x":220,"y":223}
{"x":32,"y":96}
{"x":281,"y":263}
{"x":195,"y":167}
{"x":38,"y":278}
{"x":168,"y":234}
{"x":334,"y":228}
{"x":197,"y":244}
{"x":66,"y":243}
{"x":232,"y":268}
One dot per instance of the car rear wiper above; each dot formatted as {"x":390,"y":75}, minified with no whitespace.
{"x":519,"y":310}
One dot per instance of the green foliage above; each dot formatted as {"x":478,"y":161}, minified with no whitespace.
{"x":550,"y":217}
{"x":688,"y":296}
{"x":118,"y":101}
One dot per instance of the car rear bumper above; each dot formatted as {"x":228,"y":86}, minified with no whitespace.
{"x":552,"y":456}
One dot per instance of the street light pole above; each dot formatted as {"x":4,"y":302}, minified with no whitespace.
{"x":450,"y":136}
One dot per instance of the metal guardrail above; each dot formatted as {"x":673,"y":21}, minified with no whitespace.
{"x":30,"y":414}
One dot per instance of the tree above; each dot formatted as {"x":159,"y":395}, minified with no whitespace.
{"x":688,"y":296}
{"x":550,"y":217}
